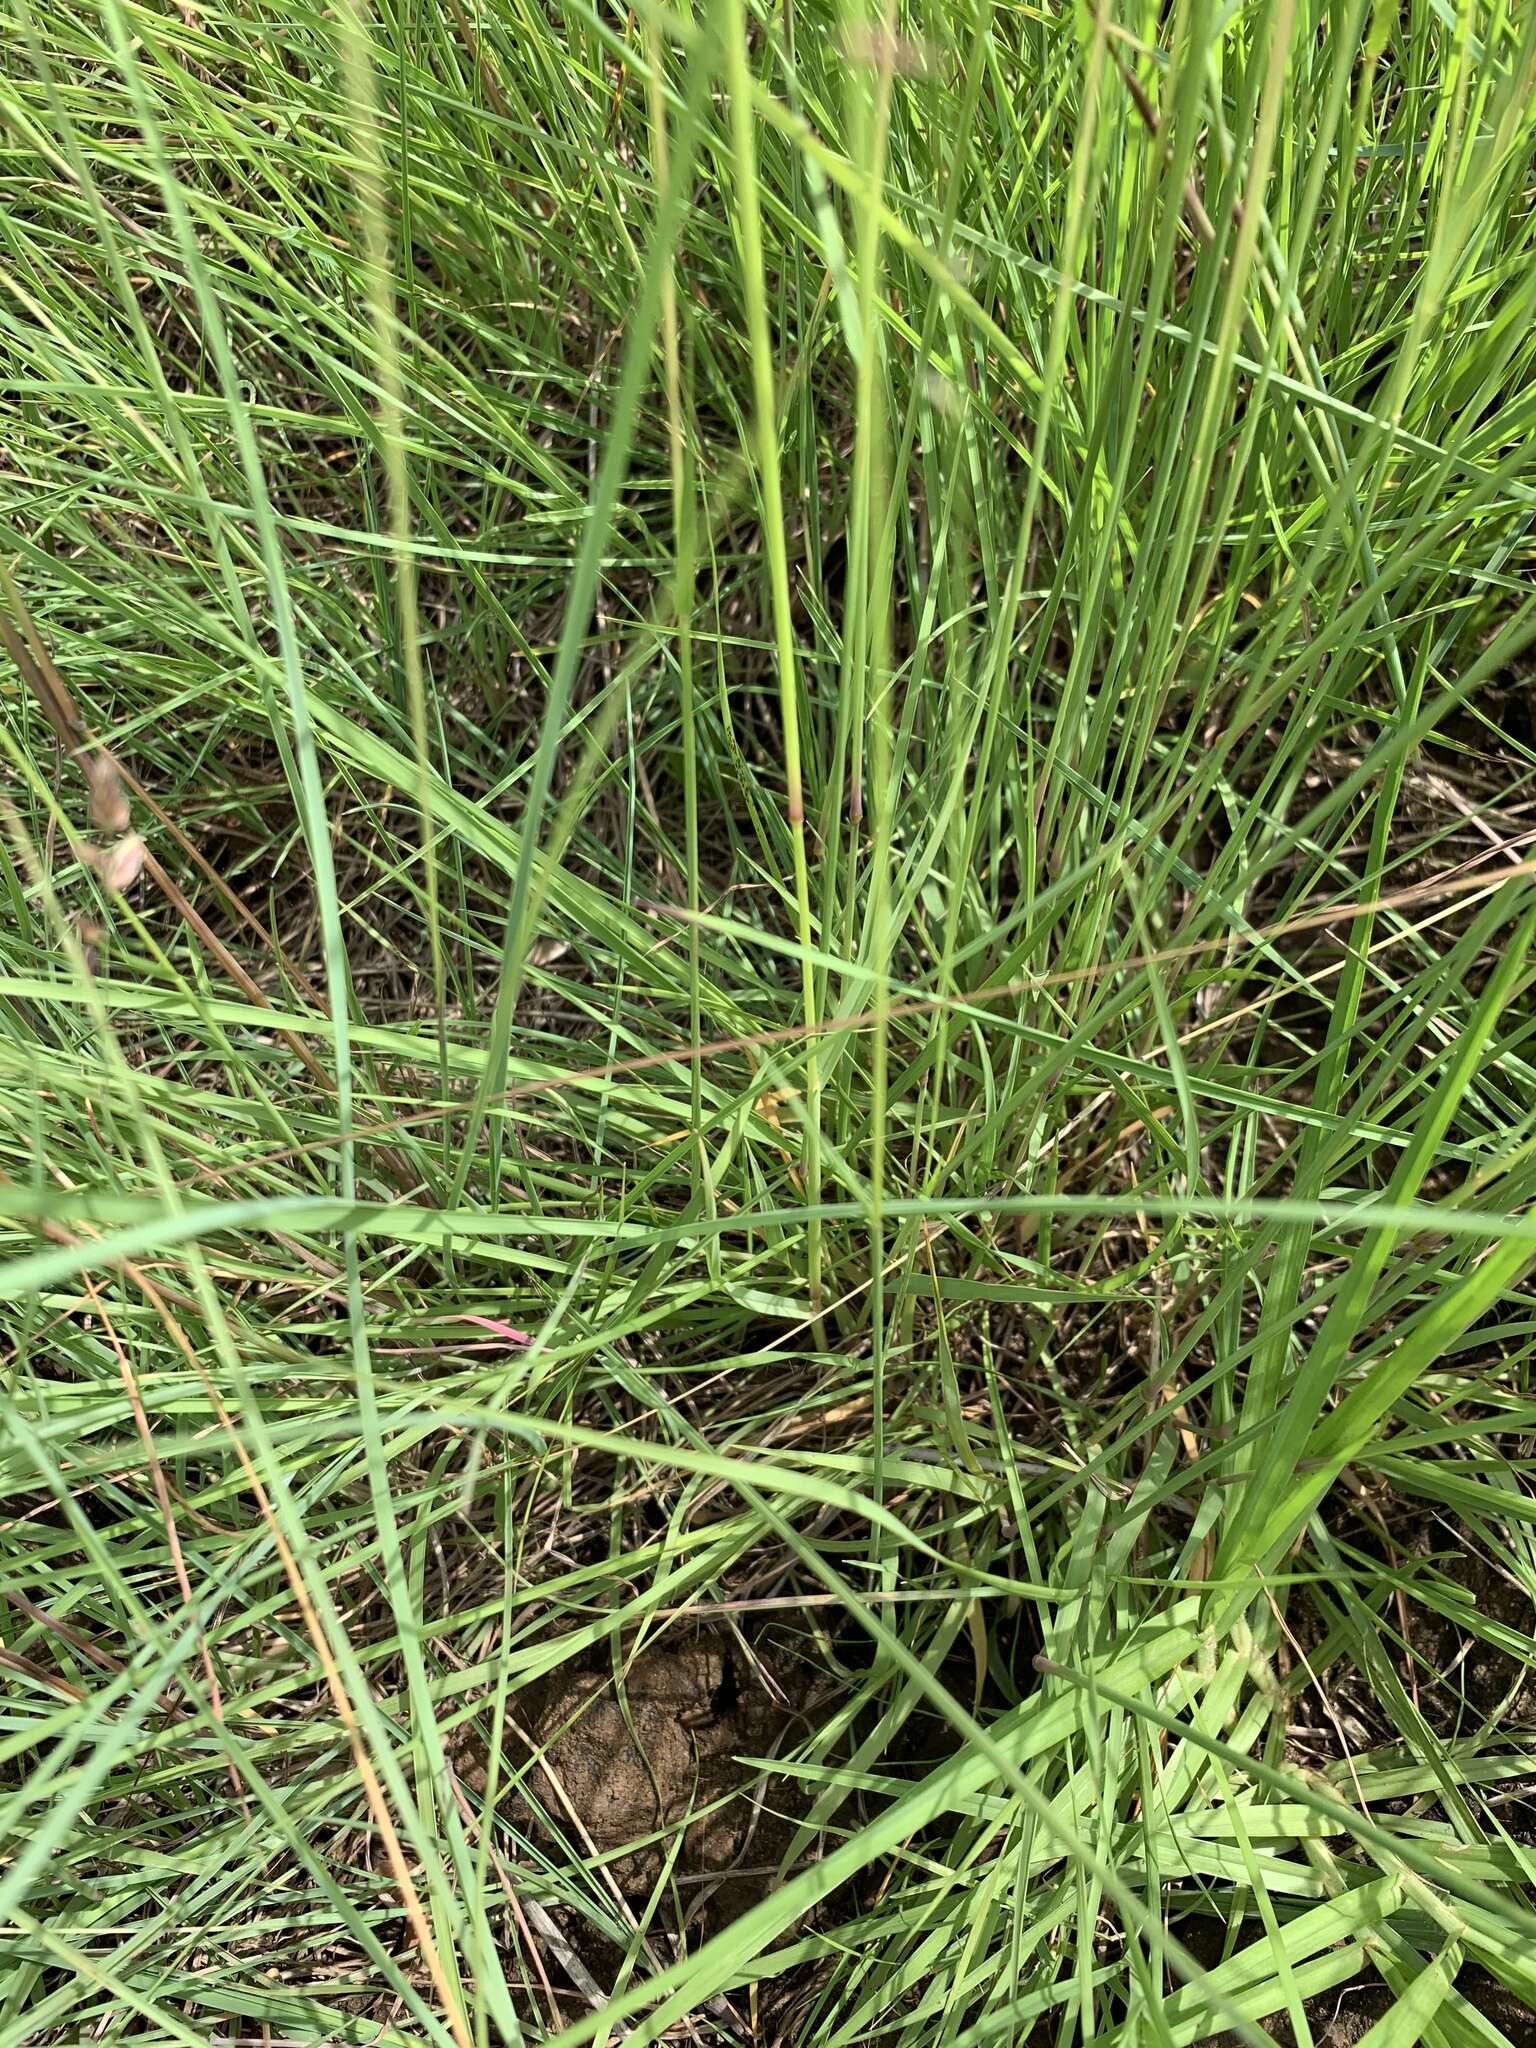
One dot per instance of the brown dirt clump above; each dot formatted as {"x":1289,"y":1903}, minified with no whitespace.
{"x":646,"y":1778}
{"x":628,"y":1768}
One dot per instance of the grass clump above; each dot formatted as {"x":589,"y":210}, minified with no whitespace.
{"x":769,"y":904}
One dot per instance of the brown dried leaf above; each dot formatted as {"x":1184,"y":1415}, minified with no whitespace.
{"x":120,"y":864}
{"x":109,"y":800}
{"x":874,"y":44}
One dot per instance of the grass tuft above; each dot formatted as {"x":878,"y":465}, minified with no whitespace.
{"x":768,"y":893}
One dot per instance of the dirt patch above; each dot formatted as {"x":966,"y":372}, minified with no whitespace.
{"x":1458,"y":1633}
{"x":1335,"y":2019}
{"x":1338,"y":2019}
{"x":1478,"y":1675}
{"x":627,"y":1767}
{"x":647,"y":1779}
{"x":1343,"y":2016}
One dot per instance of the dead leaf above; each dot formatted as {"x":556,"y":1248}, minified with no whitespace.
{"x":120,"y":864}
{"x":109,"y":800}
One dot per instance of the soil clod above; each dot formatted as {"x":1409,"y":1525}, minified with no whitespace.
{"x":627,"y":1763}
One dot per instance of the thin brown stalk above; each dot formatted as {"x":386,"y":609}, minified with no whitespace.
{"x":168,"y":1519}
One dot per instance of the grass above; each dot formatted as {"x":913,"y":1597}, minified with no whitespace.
{"x":832,"y":707}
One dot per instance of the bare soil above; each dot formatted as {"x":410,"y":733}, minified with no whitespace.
{"x":627,"y":1765}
